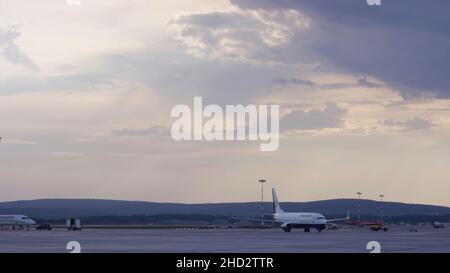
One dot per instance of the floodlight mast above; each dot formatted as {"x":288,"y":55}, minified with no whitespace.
{"x":262,"y":181}
{"x":359,"y":205}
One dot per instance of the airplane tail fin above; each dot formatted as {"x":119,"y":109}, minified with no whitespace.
{"x":276,"y":205}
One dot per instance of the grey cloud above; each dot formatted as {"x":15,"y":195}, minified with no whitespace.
{"x":238,"y":35}
{"x":217,"y":20}
{"x":330,"y":117}
{"x":405,"y":43}
{"x":366,"y":83}
{"x":11,"y":51}
{"x":412,"y":124}
{"x":217,"y":82}
{"x":362,"y":82}
{"x":294,"y":81}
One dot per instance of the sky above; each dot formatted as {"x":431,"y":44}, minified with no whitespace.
{"x":87,"y":87}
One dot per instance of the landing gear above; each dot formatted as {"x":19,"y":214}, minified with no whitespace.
{"x":307,"y":230}
{"x":287,"y":228}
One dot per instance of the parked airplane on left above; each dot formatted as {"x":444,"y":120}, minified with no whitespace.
{"x":16,"y":221}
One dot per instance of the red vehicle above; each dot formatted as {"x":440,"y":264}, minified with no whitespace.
{"x":373,"y":225}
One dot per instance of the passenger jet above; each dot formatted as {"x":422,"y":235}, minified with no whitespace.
{"x":290,"y":220}
{"x":16,"y":220}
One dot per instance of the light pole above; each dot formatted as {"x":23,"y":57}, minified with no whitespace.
{"x":262,"y":181}
{"x":381,"y":208}
{"x":359,"y":206}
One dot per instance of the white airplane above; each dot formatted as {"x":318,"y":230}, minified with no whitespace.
{"x":290,"y":220}
{"x":16,"y":220}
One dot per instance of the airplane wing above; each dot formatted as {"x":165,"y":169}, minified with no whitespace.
{"x":340,"y":219}
{"x":251,"y":219}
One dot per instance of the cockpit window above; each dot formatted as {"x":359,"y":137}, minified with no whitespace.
{"x":320,"y":218}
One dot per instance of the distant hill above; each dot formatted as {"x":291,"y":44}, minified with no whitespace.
{"x":61,"y":208}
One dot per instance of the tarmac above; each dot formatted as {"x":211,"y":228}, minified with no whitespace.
{"x":355,"y":240}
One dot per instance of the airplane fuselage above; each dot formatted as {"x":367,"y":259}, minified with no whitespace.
{"x":16,"y":220}
{"x":303,"y":220}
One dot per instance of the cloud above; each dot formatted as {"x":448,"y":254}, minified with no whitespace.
{"x":330,"y":117}
{"x":295,"y":81}
{"x":362,"y":82}
{"x":405,"y":43}
{"x":411,"y":124}
{"x":369,"y":84}
{"x":238,"y":35}
{"x":67,"y":154}
{"x":11,"y":51}
{"x":157,"y":130}
{"x":17,"y":141}
{"x":179,"y":76}
{"x":78,"y":82}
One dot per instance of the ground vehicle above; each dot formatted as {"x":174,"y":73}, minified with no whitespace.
{"x":44,"y":227}
{"x":73,"y":224}
{"x":378,"y":227}
{"x":438,"y":225}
